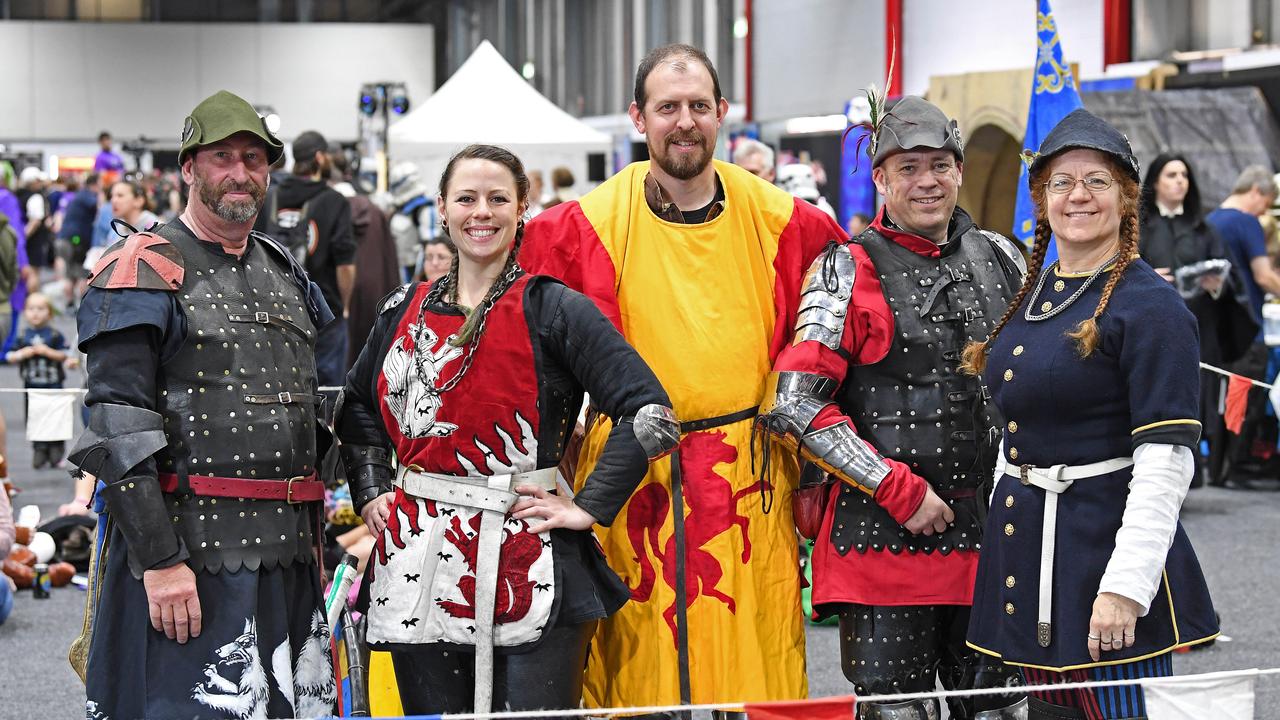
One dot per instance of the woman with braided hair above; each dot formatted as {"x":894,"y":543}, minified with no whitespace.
{"x":486,"y":583}
{"x":1085,"y":571}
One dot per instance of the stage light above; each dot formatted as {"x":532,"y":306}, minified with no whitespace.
{"x":528,"y":70}
{"x":368,"y":102}
{"x":399,"y":102}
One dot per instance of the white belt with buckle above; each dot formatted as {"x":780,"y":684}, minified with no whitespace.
{"x":1054,"y":480}
{"x":493,"y":495}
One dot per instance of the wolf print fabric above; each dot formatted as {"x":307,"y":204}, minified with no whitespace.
{"x":263,"y":651}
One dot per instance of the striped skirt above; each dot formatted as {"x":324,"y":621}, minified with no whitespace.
{"x":1102,"y":703}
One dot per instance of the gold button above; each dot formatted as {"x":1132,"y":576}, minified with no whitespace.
{"x":1046,"y":306}
{"x":1008,"y":608}
{"x":1008,"y":501}
{"x":1009,"y":582}
{"x":1008,"y":528}
{"x":1018,"y":350}
{"x":1008,"y":375}
{"x":1013,"y":426}
{"x":1013,"y":453}
{"x":1059,"y":286}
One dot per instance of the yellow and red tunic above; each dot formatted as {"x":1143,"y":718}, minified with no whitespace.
{"x":708,"y":306}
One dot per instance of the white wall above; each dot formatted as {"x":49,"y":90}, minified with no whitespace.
{"x":811,"y":56}
{"x":945,"y":37}
{"x":68,"y":81}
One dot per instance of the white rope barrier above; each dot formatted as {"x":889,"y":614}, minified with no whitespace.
{"x":1172,"y":680}
{"x":1228,"y":373}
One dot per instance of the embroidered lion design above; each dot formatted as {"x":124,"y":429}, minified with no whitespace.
{"x":413,"y":393}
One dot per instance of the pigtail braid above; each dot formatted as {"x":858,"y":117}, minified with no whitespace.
{"x":974,"y":356}
{"x":1086,"y":333}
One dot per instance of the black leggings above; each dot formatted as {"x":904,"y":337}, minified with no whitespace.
{"x":548,"y":678}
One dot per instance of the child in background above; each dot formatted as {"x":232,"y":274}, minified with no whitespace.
{"x":40,"y":352}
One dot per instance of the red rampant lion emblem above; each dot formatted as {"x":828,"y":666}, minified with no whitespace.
{"x":520,"y":549}
{"x":712,"y":508}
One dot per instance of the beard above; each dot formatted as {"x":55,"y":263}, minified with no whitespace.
{"x":680,"y":165}
{"x":214,"y":198}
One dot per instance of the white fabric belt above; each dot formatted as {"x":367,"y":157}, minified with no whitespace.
{"x":493,"y":495}
{"x":1054,"y":480}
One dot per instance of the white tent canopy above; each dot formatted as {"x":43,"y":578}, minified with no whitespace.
{"x":487,"y":101}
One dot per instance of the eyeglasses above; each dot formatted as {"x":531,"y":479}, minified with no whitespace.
{"x":1063,"y":184}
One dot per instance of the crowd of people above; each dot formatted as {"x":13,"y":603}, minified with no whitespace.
{"x":944,"y":415}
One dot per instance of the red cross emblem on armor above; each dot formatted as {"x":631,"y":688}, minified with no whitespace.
{"x":122,"y":267}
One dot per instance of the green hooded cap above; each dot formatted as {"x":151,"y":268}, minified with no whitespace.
{"x":220,"y":116}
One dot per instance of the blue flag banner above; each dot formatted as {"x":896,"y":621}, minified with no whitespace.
{"x":1053,"y":97}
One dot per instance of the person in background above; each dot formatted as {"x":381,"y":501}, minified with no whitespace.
{"x":1174,"y":236}
{"x":40,"y":352}
{"x":561,"y":187}
{"x":413,"y":216}
{"x":437,"y":257}
{"x":37,"y":217}
{"x":107,"y":164}
{"x":8,"y":536}
{"x":377,"y":270}
{"x":75,"y":234}
{"x":857,"y":223}
{"x":322,"y":237}
{"x":1236,"y":221}
{"x":129,"y":203}
{"x":535,"y":193}
{"x":755,"y":157}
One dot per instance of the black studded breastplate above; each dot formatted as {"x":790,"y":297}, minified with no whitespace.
{"x":239,"y":401}
{"x":915,"y":406}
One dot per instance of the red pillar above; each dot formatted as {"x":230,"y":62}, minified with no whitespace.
{"x":1117,"y":31}
{"x":893,"y":46}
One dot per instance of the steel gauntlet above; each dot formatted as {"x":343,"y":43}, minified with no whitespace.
{"x":792,"y":401}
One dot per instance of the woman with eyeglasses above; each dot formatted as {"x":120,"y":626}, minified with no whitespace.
{"x":1085,"y":571}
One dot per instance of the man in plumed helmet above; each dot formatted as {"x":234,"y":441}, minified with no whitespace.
{"x":869,"y":391}
{"x":200,"y":340}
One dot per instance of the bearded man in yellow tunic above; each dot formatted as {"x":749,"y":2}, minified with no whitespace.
{"x":699,"y":264}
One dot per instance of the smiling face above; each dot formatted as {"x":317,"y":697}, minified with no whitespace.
{"x":1171,"y":186}
{"x":481,"y":208}
{"x":920,"y":190}
{"x":1079,"y":216}
{"x":680,"y":118}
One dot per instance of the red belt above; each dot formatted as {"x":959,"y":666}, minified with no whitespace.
{"x":302,"y":488}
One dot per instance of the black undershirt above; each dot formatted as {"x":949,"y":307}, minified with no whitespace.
{"x":693,"y":217}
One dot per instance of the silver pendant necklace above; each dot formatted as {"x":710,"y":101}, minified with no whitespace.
{"x":1035,"y":295}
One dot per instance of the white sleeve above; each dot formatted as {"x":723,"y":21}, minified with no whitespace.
{"x":1161,"y":478}
{"x":35,"y":207}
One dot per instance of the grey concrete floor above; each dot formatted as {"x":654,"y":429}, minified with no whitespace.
{"x":1235,"y":533}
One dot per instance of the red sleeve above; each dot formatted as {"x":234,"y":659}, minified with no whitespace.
{"x":801,"y":241}
{"x":561,"y":242}
{"x":868,"y":335}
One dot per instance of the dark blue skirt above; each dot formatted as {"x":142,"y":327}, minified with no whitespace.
{"x":263,"y":650}
{"x":1006,"y":591}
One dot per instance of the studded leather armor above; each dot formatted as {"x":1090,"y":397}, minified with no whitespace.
{"x":239,"y":400}
{"x":915,"y":406}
